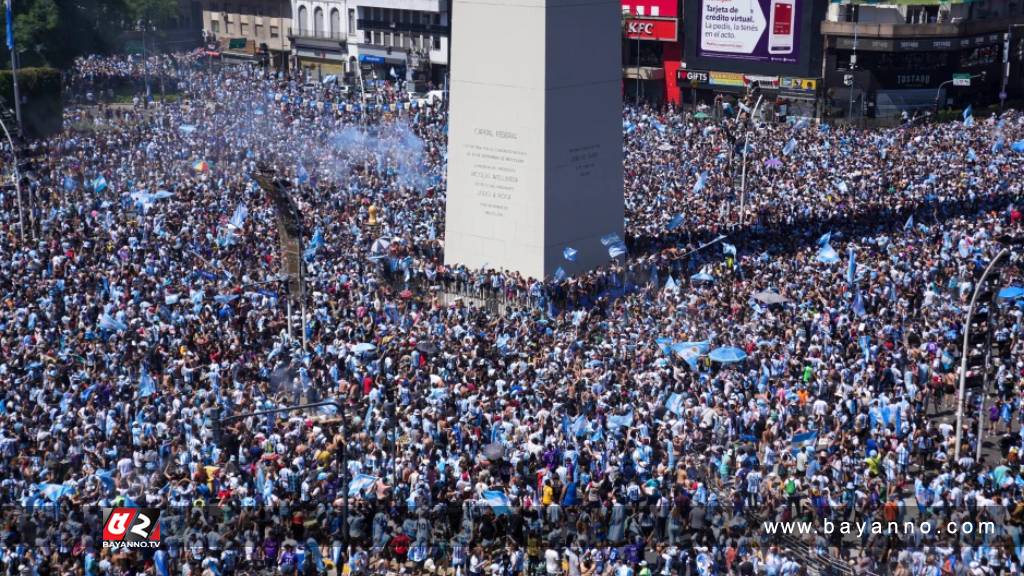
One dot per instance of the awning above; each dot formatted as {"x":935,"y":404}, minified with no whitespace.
{"x":644,"y":73}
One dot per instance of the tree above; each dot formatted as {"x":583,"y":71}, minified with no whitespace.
{"x":151,"y":12}
{"x":34,"y":30}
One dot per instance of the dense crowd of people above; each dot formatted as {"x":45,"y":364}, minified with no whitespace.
{"x":781,"y":345}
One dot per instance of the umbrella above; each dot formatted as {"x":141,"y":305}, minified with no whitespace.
{"x":364,"y":348}
{"x":773,"y":163}
{"x":428,"y":348}
{"x":768,"y":297}
{"x":701,"y":116}
{"x":380,"y":245}
{"x":665,"y":147}
{"x":702,"y":277}
{"x":1011,"y":292}
{"x":727,"y":355}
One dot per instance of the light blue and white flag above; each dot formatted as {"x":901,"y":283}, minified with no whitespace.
{"x":827,"y":255}
{"x":803,"y":440}
{"x":238,"y":218}
{"x":360,"y":484}
{"x":569,"y":254}
{"x":701,"y":181}
{"x":851,"y":269}
{"x":147,"y":386}
{"x":498,"y":501}
{"x":609,"y":239}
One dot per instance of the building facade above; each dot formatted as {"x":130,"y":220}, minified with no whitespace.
{"x":320,"y":35}
{"x":652,"y":50}
{"x":402,"y":39}
{"x":254,"y":31}
{"x":884,"y":58}
{"x":372,"y":41}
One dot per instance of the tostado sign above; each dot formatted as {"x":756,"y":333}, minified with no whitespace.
{"x":662,"y":29}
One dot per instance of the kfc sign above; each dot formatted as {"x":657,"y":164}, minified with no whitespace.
{"x":663,"y":29}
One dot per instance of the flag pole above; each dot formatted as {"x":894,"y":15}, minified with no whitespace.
{"x":14,"y":62}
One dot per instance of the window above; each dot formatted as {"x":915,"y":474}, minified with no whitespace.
{"x":335,"y":23}
{"x":351,"y":21}
{"x":275,"y":32}
{"x":215,"y":26}
{"x":243,"y":29}
{"x":227,"y":27}
{"x":318,"y":21}
{"x":437,"y":42}
{"x":367,"y":37}
{"x":259,"y":31}
{"x":303,"y":20}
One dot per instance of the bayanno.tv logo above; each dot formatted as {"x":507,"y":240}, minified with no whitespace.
{"x":131,"y":528}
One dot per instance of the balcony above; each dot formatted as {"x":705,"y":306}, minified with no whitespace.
{"x":944,"y":30}
{"x":301,"y":33}
{"x":317,"y":39}
{"x":417,"y":27}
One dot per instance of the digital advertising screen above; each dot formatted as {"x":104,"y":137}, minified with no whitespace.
{"x":769,"y":36}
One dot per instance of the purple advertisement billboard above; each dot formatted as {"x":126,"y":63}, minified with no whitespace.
{"x":754,"y":30}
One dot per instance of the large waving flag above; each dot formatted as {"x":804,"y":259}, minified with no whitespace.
{"x":147,"y":386}
{"x":701,"y":181}
{"x":690,"y":352}
{"x":827,"y":255}
{"x":238,"y":218}
{"x":111,"y":324}
{"x":498,"y":501}
{"x":803,"y":440}
{"x":314,"y":244}
{"x":851,"y":269}
{"x":674,"y":404}
{"x":360,"y":484}
{"x":54,"y":492}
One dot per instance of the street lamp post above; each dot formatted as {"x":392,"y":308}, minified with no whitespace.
{"x":938,"y":91}
{"x":342,"y":453}
{"x":743,"y":173}
{"x":964,"y":352}
{"x":17,"y":180}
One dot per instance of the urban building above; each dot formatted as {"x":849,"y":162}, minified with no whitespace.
{"x":652,"y":50}
{"x":400,"y":39}
{"x":320,"y":34}
{"x":254,"y":31}
{"x":887,"y":57}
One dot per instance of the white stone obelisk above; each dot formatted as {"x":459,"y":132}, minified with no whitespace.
{"x":535,"y":134}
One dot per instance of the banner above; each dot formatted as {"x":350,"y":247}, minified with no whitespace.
{"x":755,"y":30}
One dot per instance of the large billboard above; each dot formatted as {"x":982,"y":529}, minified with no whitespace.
{"x":754,"y":36}
{"x":759,"y":30}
